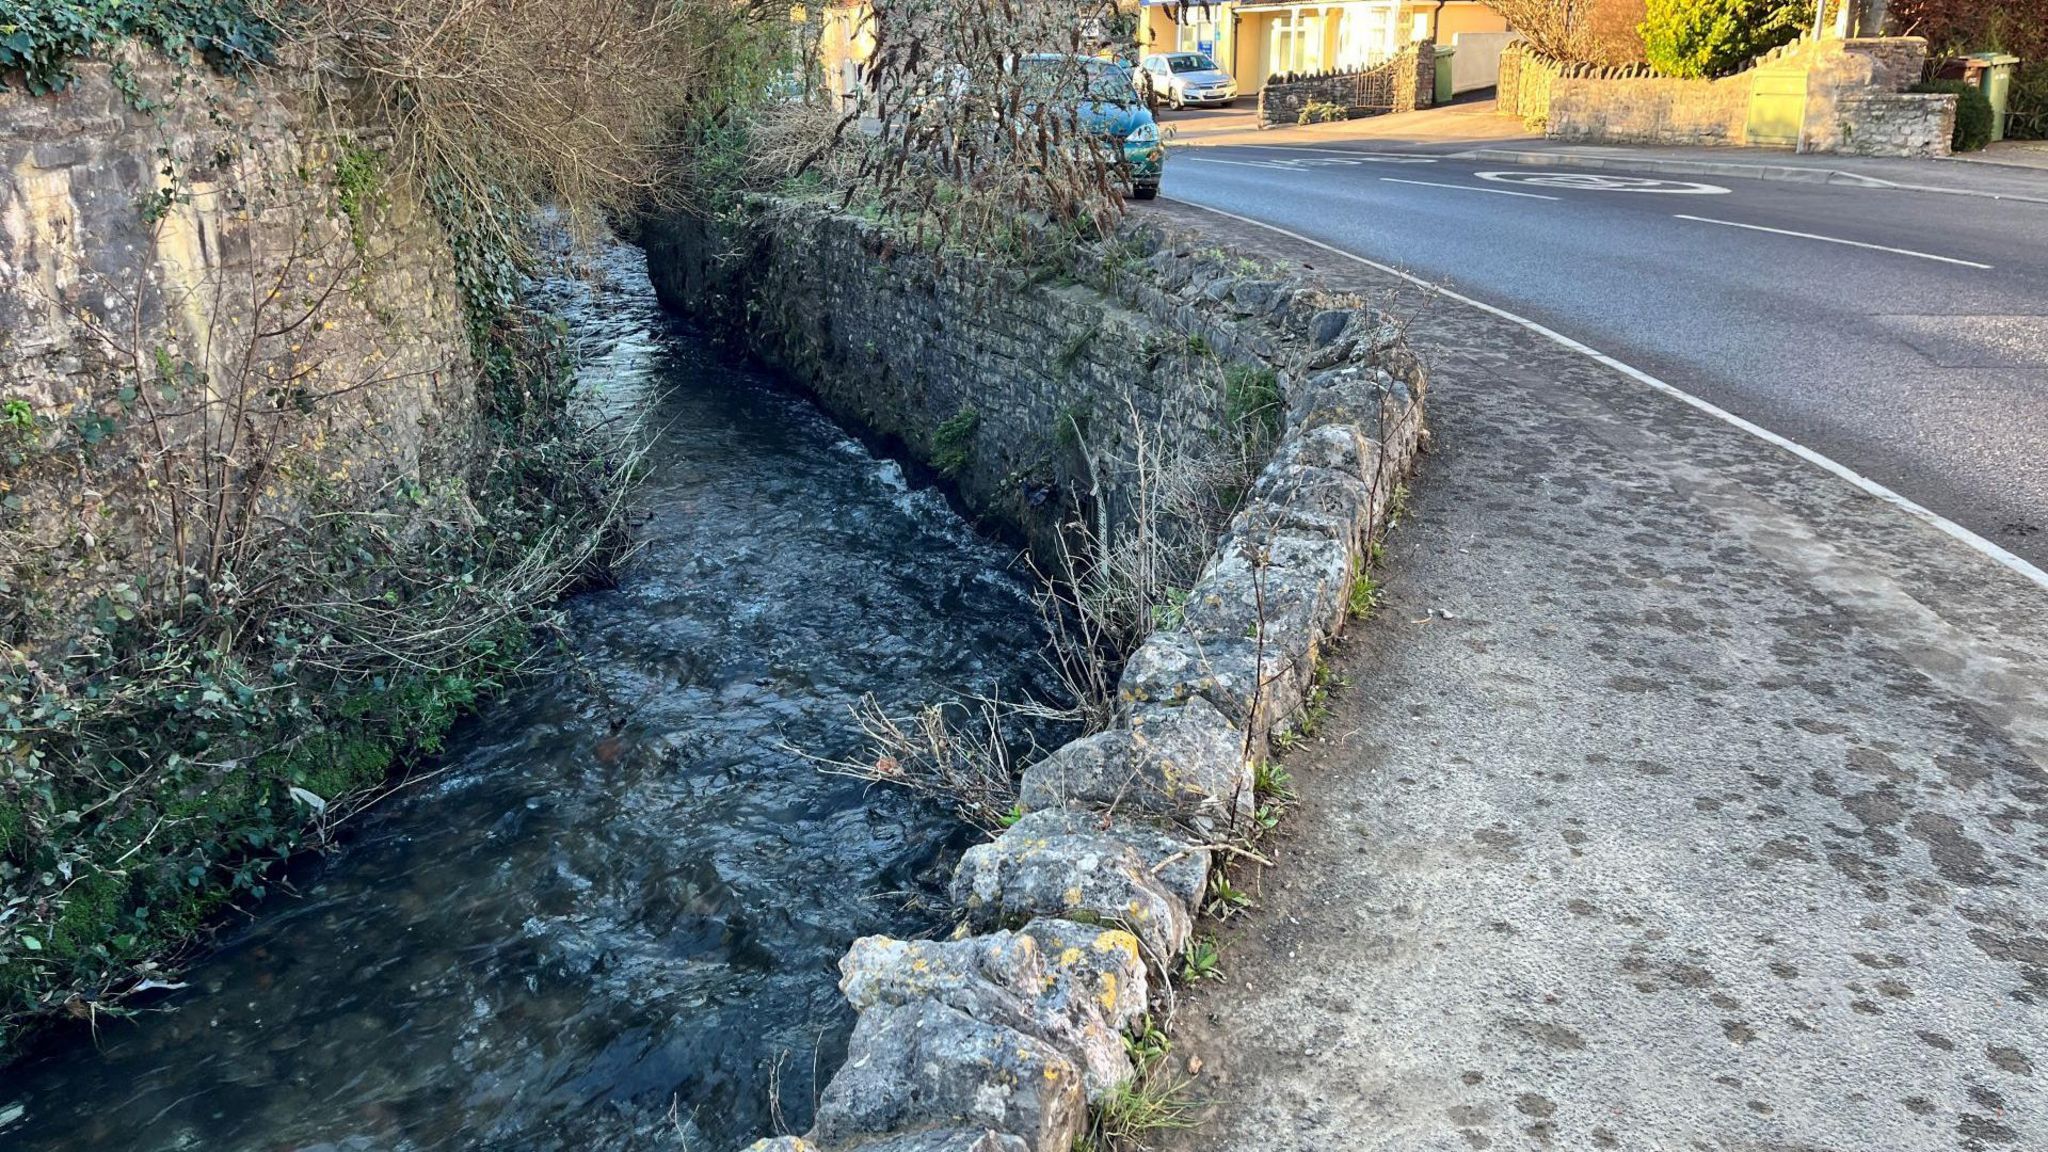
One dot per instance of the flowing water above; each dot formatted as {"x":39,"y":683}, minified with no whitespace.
{"x":612,"y":922}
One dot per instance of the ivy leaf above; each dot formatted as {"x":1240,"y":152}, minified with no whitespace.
{"x":32,"y":944}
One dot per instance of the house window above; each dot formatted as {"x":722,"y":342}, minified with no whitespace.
{"x":1197,"y":36}
{"x":1365,"y":37}
{"x":1297,"y":43}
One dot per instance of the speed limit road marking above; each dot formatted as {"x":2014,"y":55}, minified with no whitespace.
{"x":1601,"y":182}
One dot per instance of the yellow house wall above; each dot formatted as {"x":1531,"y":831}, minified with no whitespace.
{"x":845,"y":37}
{"x":1253,"y":35}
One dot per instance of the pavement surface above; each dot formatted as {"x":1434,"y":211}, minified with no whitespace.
{"x":1683,"y":794}
{"x":1903,"y":333}
{"x":1470,"y":120}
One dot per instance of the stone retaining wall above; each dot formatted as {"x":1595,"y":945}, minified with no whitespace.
{"x":1894,"y":124}
{"x":158,"y":214}
{"x":999,"y":1039}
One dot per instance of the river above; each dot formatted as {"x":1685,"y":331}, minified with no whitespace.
{"x":611,"y":920}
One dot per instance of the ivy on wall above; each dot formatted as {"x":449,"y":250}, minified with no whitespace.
{"x":41,"y":39}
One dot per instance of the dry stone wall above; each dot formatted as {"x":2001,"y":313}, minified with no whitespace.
{"x":999,"y":1039}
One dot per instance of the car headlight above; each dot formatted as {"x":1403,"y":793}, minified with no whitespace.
{"x":1143,"y":134}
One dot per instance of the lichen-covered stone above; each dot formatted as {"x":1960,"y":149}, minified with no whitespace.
{"x":945,"y":1140}
{"x":782,"y":1144}
{"x":1278,"y":593}
{"x":1082,"y":866}
{"x":1301,"y":500}
{"x":1075,"y":997}
{"x":1353,"y":395}
{"x":1102,"y":963}
{"x":1340,"y":448}
{"x":929,"y":1066}
{"x":1183,"y":765}
{"x":1254,"y":687}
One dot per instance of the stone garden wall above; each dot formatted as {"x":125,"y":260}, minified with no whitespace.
{"x":1402,"y":84}
{"x":1648,"y":110}
{"x":998,"y":1039}
{"x":1854,"y":100}
{"x":1527,"y":78}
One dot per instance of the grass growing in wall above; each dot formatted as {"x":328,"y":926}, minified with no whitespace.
{"x":1251,"y":400}
{"x":952,"y":440}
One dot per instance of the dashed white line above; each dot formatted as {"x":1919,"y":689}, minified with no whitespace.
{"x":1375,"y":157}
{"x":1831,"y":240}
{"x":1941,"y":523}
{"x":1469,"y":188}
{"x":1268,"y":165}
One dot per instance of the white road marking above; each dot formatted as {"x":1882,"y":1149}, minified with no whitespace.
{"x":1600,"y":182}
{"x":1832,"y":240}
{"x":1937,"y":520}
{"x":1469,"y":188}
{"x":1268,"y":165}
{"x":1375,"y":157}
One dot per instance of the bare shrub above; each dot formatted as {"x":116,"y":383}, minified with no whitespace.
{"x":1577,"y":31}
{"x":957,"y":753}
{"x":1157,"y":504}
{"x":1161,"y":494}
{"x":575,"y":104}
{"x":785,"y":139}
{"x":974,"y":112}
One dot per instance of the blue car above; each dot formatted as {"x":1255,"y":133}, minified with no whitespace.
{"x":1108,"y":104}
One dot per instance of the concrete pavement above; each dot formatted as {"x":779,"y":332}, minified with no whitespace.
{"x":1470,"y":122}
{"x":1683,"y":797}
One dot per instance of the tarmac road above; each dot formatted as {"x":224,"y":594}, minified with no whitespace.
{"x":1903,"y":334}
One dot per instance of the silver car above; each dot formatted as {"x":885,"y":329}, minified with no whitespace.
{"x":1186,"y":79}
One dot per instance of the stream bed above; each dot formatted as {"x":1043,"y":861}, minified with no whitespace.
{"x":612,"y":920}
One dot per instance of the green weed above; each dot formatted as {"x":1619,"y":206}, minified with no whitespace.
{"x":1364,"y":597}
{"x":952,"y":439}
{"x":1251,"y":401}
{"x":1272,"y":783}
{"x":1203,"y":960}
{"x":1172,"y":609}
{"x":1151,"y":1101}
{"x":1225,"y":898}
{"x":358,"y":175}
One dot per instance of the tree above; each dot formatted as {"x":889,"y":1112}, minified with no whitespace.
{"x":1956,"y":26}
{"x":1556,"y":28}
{"x":1717,"y":37}
{"x":1577,"y":31}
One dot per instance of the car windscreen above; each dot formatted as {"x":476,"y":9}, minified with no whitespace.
{"x":1191,"y":62}
{"x":1075,"y":79}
